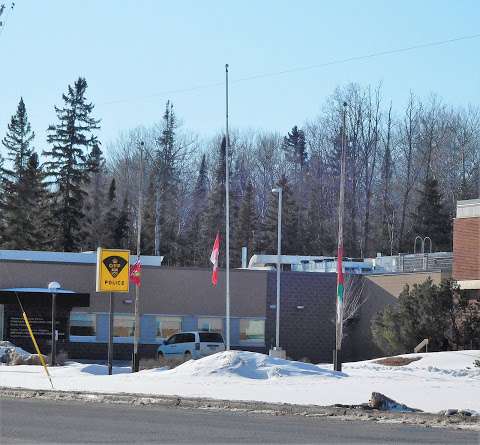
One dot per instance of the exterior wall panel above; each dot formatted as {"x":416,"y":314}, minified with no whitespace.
{"x":466,"y":249}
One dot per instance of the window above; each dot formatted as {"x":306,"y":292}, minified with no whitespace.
{"x":210,"y":324}
{"x":187,"y":338}
{"x":167,"y":326}
{"x":82,"y":324}
{"x":173,"y":339}
{"x":210,"y":337}
{"x":123,"y":325}
{"x":252,"y":331}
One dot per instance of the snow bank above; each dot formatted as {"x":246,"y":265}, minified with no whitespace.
{"x":433,"y":365}
{"x":7,"y":347}
{"x":249,"y":365}
{"x":438,"y":381}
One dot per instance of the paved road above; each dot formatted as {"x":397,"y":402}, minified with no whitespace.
{"x":38,"y":421}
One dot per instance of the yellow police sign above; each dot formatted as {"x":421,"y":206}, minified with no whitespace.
{"x":113,"y":268}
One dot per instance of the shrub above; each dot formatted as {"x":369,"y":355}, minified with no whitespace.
{"x":442,"y":313}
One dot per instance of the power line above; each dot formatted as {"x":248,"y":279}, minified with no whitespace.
{"x":299,"y":69}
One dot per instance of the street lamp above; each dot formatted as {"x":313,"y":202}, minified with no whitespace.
{"x":277,"y":350}
{"x":53,"y":288}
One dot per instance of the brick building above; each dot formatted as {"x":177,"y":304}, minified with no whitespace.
{"x":466,"y":245}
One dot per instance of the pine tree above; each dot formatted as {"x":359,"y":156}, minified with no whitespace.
{"x":194,"y":242}
{"x":110,"y":216}
{"x":94,"y":224}
{"x":120,"y":235}
{"x":245,"y":224}
{"x":215,"y":214}
{"x":37,"y":228}
{"x":319,"y":235}
{"x":295,"y":148}
{"x":267,"y":238}
{"x":168,"y":156}
{"x":148,"y":219}
{"x":70,"y":138}
{"x":21,"y":182}
{"x":431,"y":219}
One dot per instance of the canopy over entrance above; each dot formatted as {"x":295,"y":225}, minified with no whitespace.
{"x":41,"y":296}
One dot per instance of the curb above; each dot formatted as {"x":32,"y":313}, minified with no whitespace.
{"x":343,"y":412}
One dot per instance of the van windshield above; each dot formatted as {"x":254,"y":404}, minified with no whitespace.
{"x":212,"y":337}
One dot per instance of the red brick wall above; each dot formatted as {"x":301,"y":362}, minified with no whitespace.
{"x":466,"y":249}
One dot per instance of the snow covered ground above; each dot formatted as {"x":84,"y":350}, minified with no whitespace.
{"x":437,"y":381}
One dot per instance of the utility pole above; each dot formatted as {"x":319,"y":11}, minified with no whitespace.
{"x":135,"y":359}
{"x":227,"y":214}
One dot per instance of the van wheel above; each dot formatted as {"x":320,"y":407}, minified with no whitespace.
{"x":187,"y":355}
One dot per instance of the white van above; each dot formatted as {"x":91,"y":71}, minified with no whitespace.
{"x":193,"y":344}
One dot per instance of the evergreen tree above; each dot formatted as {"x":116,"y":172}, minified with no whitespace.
{"x":120,"y":235}
{"x":431,"y":219}
{"x":267,"y":239}
{"x":215,"y":213}
{"x":442,"y":313}
{"x":295,"y":148}
{"x":24,"y":194}
{"x":168,"y":156}
{"x":148,"y":219}
{"x":245,"y":224}
{"x":37,"y":228}
{"x":94,"y":224}
{"x":194,"y":242}
{"x":70,"y":138}
{"x":319,"y":235}
{"x":111,"y":217}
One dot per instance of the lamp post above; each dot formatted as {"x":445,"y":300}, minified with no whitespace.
{"x":277,"y":350}
{"x":53,"y":287}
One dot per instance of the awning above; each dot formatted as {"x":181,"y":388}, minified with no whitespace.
{"x":41,"y":296}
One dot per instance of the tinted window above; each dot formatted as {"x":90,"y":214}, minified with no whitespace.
{"x":212,"y":337}
{"x":173,"y":339}
{"x":188,"y":338}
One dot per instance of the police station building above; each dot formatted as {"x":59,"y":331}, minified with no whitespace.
{"x":183,"y":299}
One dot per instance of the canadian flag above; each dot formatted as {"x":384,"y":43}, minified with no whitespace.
{"x":214,"y":259}
{"x":136,"y":272}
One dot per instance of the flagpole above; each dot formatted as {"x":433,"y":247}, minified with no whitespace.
{"x":340,"y":285}
{"x":136,"y":334}
{"x":227,"y":215}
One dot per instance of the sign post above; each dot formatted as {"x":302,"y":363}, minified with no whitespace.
{"x":112,"y":276}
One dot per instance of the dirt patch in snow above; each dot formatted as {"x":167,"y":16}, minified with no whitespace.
{"x":397,"y":361}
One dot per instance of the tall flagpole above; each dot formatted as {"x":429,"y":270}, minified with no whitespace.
{"x":136,"y":333}
{"x":337,"y":359}
{"x":227,"y":214}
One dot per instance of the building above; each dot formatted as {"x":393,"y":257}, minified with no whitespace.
{"x":174,"y":299}
{"x":466,"y":246}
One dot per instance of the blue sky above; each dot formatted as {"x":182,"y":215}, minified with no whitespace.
{"x":132,"y":51}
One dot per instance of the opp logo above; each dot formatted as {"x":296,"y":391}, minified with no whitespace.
{"x":114,"y":265}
